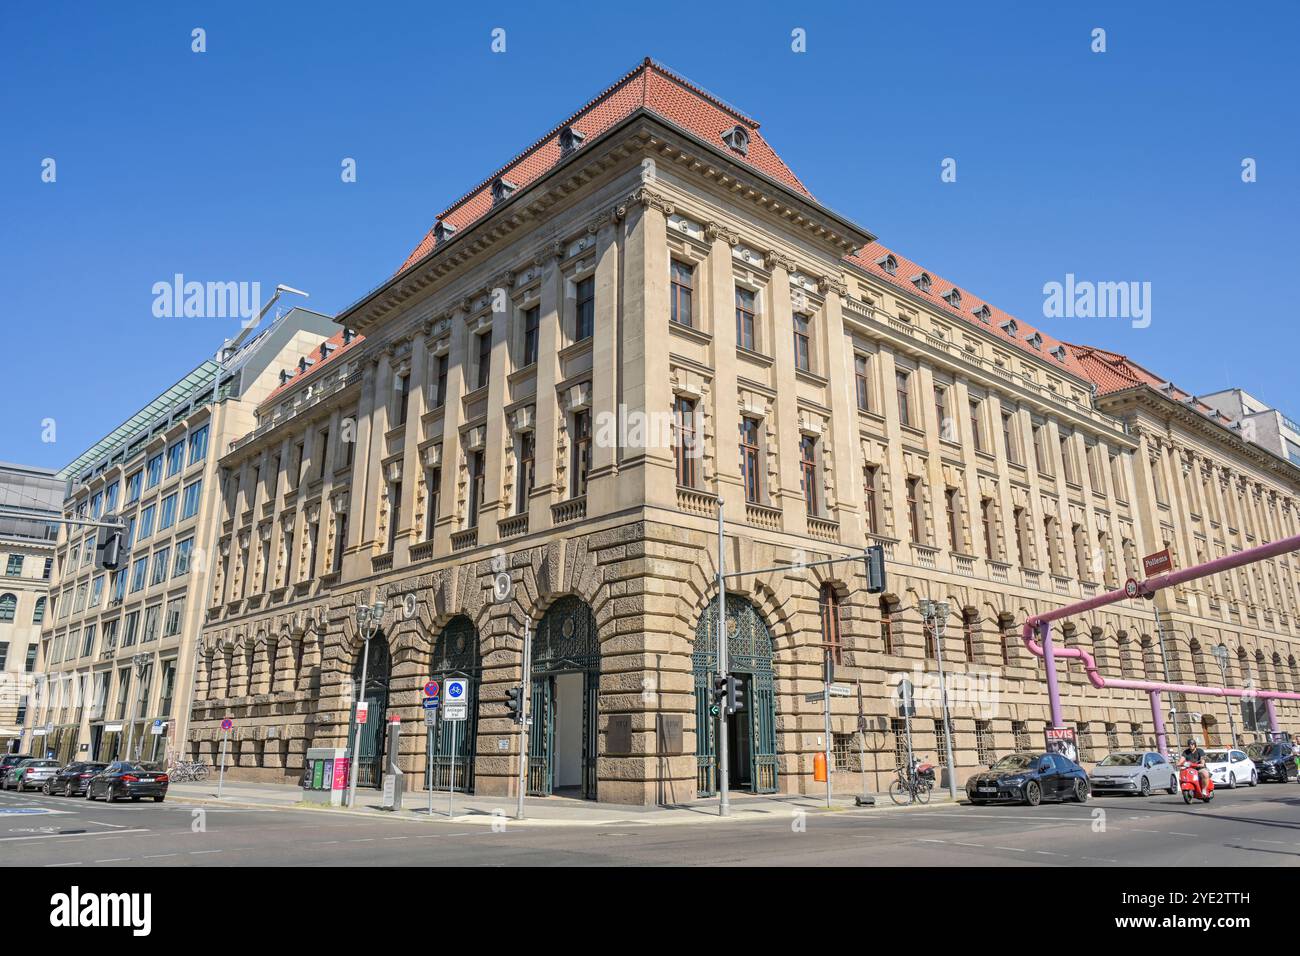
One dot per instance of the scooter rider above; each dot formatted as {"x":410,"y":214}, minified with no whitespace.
{"x":1195,"y":756}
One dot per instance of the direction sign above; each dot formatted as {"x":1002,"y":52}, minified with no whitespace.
{"x":1157,"y":563}
{"x":455,"y":710}
{"x":431,"y":689}
{"x":429,"y":703}
{"x":431,"y":718}
{"x":227,"y":724}
{"x":456,"y":689}
{"x":841,"y":690}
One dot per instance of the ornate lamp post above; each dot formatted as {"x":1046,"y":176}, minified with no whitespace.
{"x":936,"y":613}
{"x":369,"y":620}
{"x":1221,"y":655}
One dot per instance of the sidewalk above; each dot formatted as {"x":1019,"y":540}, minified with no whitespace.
{"x":538,"y":811}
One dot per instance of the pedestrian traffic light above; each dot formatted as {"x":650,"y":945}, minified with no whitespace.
{"x":735,"y":694}
{"x":874,"y":559}
{"x":515,"y":703}
{"x":108,"y":547}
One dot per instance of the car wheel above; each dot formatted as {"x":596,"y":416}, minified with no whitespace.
{"x":1033,"y":793}
{"x":157,"y":799}
{"x":1187,"y":796}
{"x":1146,"y":786}
{"x":1232,"y":781}
{"x":1254,"y":778}
{"x":1080,"y":791}
{"x":90,"y":793}
{"x":108,"y":794}
{"x":1173,"y":786}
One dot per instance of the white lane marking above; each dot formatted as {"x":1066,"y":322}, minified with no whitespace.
{"x":114,"y":859}
{"x":117,"y":826}
{"x":386,"y":839}
{"x":959,"y":843}
{"x":197,"y":852}
{"x":158,"y":856}
{"x":363,"y":840}
{"x":1099,"y":859}
{"x":1048,"y":853}
{"x":1013,"y":849}
{"x":55,"y":836}
{"x":74,"y":863}
{"x":1180,"y":833}
{"x":923,"y":840}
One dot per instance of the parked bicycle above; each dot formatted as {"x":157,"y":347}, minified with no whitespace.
{"x":914,"y":786}
{"x":183,"y":771}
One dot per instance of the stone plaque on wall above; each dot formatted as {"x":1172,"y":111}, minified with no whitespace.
{"x":618,"y":736}
{"x":670,"y":734}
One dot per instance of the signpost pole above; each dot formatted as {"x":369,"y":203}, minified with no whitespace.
{"x":720,"y":635}
{"x":525,"y":698}
{"x":826,"y":719}
{"x":221,"y":772}
{"x":428,"y":764}
{"x":451,"y":775}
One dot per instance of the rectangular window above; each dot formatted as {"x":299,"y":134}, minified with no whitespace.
{"x":175,"y":458}
{"x":524,"y":473}
{"x":152,"y":622}
{"x":97,"y":504}
{"x":198,"y":444}
{"x":88,"y":640}
{"x":167,"y":693}
{"x":130,"y":629}
{"x":138,"y":571}
{"x":155,"y":469}
{"x":585,"y":309}
{"x":745,"y":312}
{"x":1040,"y":452}
{"x":532,"y":326}
{"x":161,"y":564}
{"x":110,"y":498}
{"x":14,"y":568}
{"x":749,"y":459}
{"x":49,"y":567}
{"x":1117,"y":478}
{"x":862,"y":382}
{"x":581,"y":463}
{"x":287,"y":553}
{"x":976,"y":431}
{"x":340,"y":540}
{"x":1067,"y":461}
{"x":402,"y":390}
{"x":808,"y":472}
{"x":683,"y":284}
{"x":1018,"y":519}
{"x":947,"y":427}
{"x":322,"y":451}
{"x":167,"y":512}
{"x":987,"y":520}
{"x":184,"y":551}
{"x":145,"y":527}
{"x":829,"y":606}
{"x":802,"y":343}
{"x":954,"y":519}
{"x":1009,"y":438}
{"x":914,"y":508}
{"x":484,"y":346}
{"x":684,"y":445}
{"x":313,"y":543}
{"x":133,"y":487}
{"x":440,"y":382}
{"x":903,"y":387}
{"x":172,"y":620}
{"x":190,"y":499}
{"x":476,"y":483}
{"x":435,"y":501}
{"x":871,"y":490}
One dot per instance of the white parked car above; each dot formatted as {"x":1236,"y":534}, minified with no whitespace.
{"x":1229,"y":768}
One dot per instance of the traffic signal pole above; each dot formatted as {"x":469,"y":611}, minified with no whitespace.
{"x":525,"y":694}
{"x":724,"y":765}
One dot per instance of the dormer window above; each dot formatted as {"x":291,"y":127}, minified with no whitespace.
{"x":738,"y":139}
{"x":326,"y":348}
{"x":570,"y":140}
{"x":922,"y":281}
{"x":284,"y":375}
{"x":305,"y":363}
{"x":954,"y":298}
{"x":984,"y":314}
{"x":348,"y":336}
{"x":889,"y":264}
{"x":1035,"y":340}
{"x":501,"y":190}
{"x":1058,"y":353}
{"x":442,"y":231}
{"x":1010,"y":327}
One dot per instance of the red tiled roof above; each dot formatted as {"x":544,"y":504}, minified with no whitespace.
{"x":649,"y":86}
{"x":297,"y":377}
{"x":869,"y":257}
{"x":1113,"y":372}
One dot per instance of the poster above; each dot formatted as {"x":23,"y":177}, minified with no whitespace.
{"x":1063,"y":741}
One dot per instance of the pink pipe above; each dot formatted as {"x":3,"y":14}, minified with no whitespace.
{"x":1149,"y":587}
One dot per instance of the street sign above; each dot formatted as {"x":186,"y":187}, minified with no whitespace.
{"x":456,"y":689}
{"x":1131,"y":587}
{"x":903,"y":698}
{"x":1157,"y":563}
{"x":159,"y":727}
{"x":431,"y":689}
{"x":227,"y":724}
{"x":430,"y":718}
{"x":429,"y":703}
{"x":455,"y":710}
{"x":841,"y":690}
{"x":363,"y":709}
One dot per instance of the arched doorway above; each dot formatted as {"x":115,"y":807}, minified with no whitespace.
{"x":456,"y":654}
{"x":751,"y":731}
{"x":565,"y":680}
{"x":370,"y":748}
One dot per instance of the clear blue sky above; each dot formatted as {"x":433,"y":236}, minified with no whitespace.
{"x":225,"y":165}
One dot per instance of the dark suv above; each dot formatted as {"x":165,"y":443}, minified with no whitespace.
{"x":1275,"y":761}
{"x":8,"y":762}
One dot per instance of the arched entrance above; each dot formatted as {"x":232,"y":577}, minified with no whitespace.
{"x":751,"y":731}
{"x":565,"y":681}
{"x":456,"y":654}
{"x":370,"y":749}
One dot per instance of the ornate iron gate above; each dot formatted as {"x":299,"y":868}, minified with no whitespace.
{"x":370,"y":749}
{"x":749,"y":651}
{"x":456,"y":654}
{"x":565,"y":642}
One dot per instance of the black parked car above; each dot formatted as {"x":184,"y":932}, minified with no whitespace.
{"x":8,"y":762}
{"x":1029,"y":778}
{"x":1275,"y":761}
{"x":126,"y":779}
{"x":71,"y":780}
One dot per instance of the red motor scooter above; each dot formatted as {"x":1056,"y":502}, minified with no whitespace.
{"x":1189,"y":779}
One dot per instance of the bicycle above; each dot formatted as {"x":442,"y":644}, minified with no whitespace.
{"x":184,"y":771}
{"x":910,"y":788}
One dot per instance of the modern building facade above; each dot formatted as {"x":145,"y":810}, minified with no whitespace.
{"x":29,"y":497}
{"x":1258,"y":422}
{"x":640,"y":322}
{"x":118,"y":645}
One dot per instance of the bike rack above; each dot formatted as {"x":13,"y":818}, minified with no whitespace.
{"x":1042,"y":647}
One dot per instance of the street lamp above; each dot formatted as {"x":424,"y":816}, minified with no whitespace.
{"x":1220,"y":652}
{"x":369,"y":619}
{"x":936,"y":612}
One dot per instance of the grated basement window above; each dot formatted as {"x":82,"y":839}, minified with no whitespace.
{"x":842,"y":751}
{"x":985,"y":749}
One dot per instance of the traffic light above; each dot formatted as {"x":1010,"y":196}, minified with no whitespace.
{"x":109,"y":548}
{"x":515,"y":703}
{"x":719,"y":688}
{"x":874,"y":559}
{"x":735,"y":694}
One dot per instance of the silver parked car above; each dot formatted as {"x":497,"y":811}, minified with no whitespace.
{"x":31,"y":774}
{"x":1134,"y":771}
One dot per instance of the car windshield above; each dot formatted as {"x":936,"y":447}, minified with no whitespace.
{"x":1121,"y":760}
{"x":1015,"y":762}
{"x":1216,"y":756}
{"x":1258,"y":751}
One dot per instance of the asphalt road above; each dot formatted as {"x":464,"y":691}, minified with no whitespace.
{"x":1259,"y":827}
